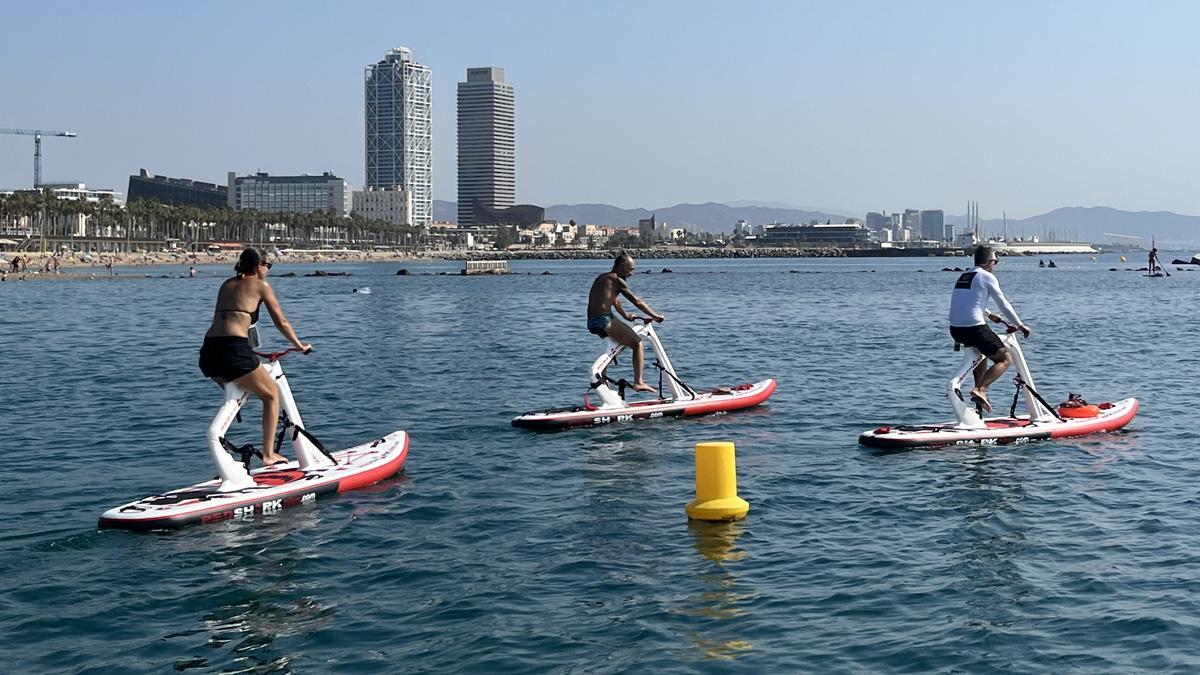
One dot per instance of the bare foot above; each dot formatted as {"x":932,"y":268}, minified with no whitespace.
{"x":275,"y":460}
{"x":981,"y":396}
{"x":642,"y":386}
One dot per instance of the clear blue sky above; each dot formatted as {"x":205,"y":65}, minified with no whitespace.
{"x":1023,"y":106}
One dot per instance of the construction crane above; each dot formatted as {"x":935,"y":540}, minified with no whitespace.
{"x":37,"y":147}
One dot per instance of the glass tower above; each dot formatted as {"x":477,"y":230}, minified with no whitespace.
{"x":399,"y":130}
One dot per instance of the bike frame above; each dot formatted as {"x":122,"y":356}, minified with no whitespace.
{"x":597,"y":374}
{"x":967,"y":417}
{"x":233,"y":474}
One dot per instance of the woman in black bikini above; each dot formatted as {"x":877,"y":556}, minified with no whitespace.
{"x":226,"y":355}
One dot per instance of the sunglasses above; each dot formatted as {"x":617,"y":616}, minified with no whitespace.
{"x":268,"y":265}
{"x":994,"y":260}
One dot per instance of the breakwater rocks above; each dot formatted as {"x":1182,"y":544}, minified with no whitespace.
{"x":640,"y":253}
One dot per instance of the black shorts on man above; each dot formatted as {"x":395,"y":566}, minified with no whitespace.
{"x":980,"y":337}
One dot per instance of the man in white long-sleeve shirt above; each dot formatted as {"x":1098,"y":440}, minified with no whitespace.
{"x":968,"y":308}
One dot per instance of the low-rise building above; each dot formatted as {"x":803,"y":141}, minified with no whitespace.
{"x":392,"y":205}
{"x":290,"y":194}
{"x":846,"y":235}
{"x":176,"y":191}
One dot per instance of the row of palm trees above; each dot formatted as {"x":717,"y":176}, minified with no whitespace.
{"x":141,"y":224}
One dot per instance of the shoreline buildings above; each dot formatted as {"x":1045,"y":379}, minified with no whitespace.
{"x":486,"y":146}
{"x":176,"y":191}
{"x":289,"y":194}
{"x":392,"y":205}
{"x":399,"y":130}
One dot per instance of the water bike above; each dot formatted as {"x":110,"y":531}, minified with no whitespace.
{"x":239,"y":493}
{"x":675,"y":397}
{"x":1075,"y":417}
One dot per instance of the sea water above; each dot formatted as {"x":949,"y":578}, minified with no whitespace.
{"x":501,"y":549}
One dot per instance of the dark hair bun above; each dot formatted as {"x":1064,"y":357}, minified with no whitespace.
{"x":248,"y":262}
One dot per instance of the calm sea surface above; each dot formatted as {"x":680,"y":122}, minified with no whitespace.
{"x":504,"y":550}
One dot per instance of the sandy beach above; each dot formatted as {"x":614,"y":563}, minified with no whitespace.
{"x":76,"y":265}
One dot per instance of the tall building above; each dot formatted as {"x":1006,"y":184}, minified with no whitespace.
{"x":877,"y":222}
{"x":399,"y":130}
{"x":933,"y":225}
{"x":486,"y":144}
{"x":647,"y":228}
{"x":289,"y":194}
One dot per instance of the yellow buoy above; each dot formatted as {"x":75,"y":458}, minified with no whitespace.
{"x":716,"y":484}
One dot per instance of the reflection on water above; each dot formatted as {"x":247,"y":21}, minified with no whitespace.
{"x":986,"y":489}
{"x":254,"y":596}
{"x":716,"y":541}
{"x":721,"y":600}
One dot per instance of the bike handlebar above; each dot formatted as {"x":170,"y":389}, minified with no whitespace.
{"x":1010,"y":329}
{"x":275,"y":356}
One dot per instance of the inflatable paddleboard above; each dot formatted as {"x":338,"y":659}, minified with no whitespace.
{"x":704,"y":402}
{"x":275,"y":488}
{"x":1002,"y":430}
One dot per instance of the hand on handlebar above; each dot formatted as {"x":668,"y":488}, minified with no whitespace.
{"x":1025,"y":330}
{"x":306,"y":348}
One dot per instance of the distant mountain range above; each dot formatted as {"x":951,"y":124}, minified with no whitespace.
{"x":1082,"y":223}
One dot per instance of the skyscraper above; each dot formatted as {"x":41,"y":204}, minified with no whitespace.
{"x":486,"y":143}
{"x":399,"y":130}
{"x":933,"y":225}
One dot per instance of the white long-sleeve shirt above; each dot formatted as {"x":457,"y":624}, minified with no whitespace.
{"x":968,"y":302}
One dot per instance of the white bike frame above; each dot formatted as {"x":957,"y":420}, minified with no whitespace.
{"x":233,"y":474}
{"x":612,"y":399}
{"x":968,"y":418}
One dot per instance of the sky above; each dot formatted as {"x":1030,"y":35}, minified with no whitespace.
{"x":849,"y":105}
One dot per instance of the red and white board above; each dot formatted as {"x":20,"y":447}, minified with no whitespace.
{"x":276,"y":488}
{"x":705,"y":402}
{"x":1001,"y":430}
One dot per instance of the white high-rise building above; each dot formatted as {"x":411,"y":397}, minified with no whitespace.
{"x":486,"y":143}
{"x":399,"y":130}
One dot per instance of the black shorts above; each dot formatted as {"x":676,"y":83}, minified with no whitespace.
{"x":980,"y":337}
{"x":227,"y":357}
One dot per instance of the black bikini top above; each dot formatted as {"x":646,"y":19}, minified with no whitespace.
{"x":253,"y":315}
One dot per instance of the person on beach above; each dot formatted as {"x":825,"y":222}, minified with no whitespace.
{"x":603,"y":298}
{"x":226,"y":355}
{"x":968,"y":307}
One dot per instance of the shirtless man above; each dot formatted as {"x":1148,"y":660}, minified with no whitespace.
{"x":601,"y":301}
{"x":968,"y":307}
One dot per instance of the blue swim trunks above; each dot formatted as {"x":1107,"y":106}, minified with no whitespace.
{"x":598,"y":325}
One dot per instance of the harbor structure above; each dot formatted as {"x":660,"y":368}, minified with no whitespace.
{"x":399,"y":129}
{"x":289,"y":194}
{"x":486,"y":145}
